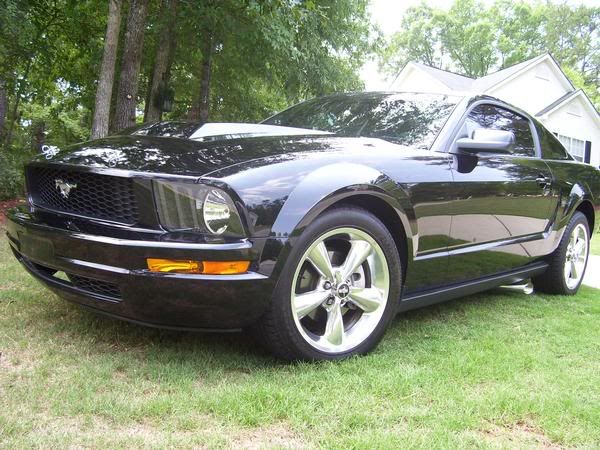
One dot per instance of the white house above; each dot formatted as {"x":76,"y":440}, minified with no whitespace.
{"x":538,"y":86}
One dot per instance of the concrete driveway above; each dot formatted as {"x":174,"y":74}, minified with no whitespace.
{"x":592,"y":273}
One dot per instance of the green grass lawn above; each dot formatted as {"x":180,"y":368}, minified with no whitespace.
{"x":499,"y":370}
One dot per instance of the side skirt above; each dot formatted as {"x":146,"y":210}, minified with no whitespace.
{"x":426,"y":298}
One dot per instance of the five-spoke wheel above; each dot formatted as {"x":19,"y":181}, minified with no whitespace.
{"x":576,"y":256}
{"x":569,"y":260}
{"x":338,"y":290}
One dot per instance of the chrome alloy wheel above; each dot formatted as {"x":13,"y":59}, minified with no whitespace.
{"x":576,"y":257}
{"x":340,"y":290}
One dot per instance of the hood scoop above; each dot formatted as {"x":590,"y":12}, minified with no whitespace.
{"x":219,"y":131}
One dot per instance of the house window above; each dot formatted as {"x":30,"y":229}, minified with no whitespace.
{"x":576,"y":147}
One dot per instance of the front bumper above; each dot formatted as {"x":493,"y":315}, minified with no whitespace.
{"x":109,"y":275}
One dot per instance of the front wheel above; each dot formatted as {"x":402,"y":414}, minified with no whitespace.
{"x":569,"y":260}
{"x":338,"y":290}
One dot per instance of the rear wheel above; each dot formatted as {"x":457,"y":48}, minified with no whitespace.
{"x":569,"y":260}
{"x":338,"y":291}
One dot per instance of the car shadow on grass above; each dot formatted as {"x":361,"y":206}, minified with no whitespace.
{"x":234,"y":350}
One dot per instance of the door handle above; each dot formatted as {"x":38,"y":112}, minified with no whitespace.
{"x":543,"y":181}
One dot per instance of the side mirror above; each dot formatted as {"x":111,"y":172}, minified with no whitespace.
{"x":484,"y":140}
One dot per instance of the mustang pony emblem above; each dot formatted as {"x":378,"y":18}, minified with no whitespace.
{"x":63,"y":187}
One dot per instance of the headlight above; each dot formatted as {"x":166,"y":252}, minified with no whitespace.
{"x":196,"y":207}
{"x":216,"y":212}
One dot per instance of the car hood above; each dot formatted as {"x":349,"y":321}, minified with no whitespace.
{"x":192,"y":158}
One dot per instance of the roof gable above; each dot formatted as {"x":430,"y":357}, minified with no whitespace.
{"x":556,"y":103}
{"x":484,"y":83}
{"x":493,"y":81}
{"x":567,"y":98}
{"x":488,"y":83}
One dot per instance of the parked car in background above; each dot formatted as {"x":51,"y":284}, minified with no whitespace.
{"x":315,"y":227}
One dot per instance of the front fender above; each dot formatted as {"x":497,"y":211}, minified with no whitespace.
{"x":329,"y":185}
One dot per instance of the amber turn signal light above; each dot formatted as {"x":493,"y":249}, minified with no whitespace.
{"x":203,"y":267}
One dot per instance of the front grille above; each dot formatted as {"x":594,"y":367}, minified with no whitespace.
{"x":97,"y":196}
{"x":95,"y":286}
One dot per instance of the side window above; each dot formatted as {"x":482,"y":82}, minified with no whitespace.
{"x":552,"y":148}
{"x":496,"y":118}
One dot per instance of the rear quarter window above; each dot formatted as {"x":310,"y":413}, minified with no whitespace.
{"x":552,"y":148}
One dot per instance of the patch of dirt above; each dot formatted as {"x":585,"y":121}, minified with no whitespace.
{"x":273,"y":436}
{"x":83,"y":432}
{"x":5,"y":205}
{"x":22,"y":361}
{"x":11,"y":286}
{"x":520,"y":435}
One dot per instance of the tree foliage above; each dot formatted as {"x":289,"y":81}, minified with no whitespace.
{"x":241,"y":60}
{"x":474,"y":39}
{"x":48,"y":54}
{"x":265,"y":54}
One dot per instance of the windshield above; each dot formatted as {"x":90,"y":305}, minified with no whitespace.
{"x":404,"y":118}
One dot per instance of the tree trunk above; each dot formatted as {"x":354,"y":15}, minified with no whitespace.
{"x":130,"y":65}
{"x":201,"y":107}
{"x":38,"y":135}
{"x":164,"y":53}
{"x":107,"y":71}
{"x":205,"y":82}
{"x":3,"y":108}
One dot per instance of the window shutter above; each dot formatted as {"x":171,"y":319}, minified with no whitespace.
{"x":588,"y":152}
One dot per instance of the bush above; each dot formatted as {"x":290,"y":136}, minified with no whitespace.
{"x":11,"y":175}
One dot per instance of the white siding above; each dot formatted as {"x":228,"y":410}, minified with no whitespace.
{"x":533,"y":89}
{"x":581,"y":125}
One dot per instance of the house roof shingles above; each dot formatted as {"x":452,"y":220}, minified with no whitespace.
{"x":454,"y":81}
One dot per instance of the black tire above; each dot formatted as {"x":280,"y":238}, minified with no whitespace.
{"x":553,"y":281}
{"x":277,"y":329}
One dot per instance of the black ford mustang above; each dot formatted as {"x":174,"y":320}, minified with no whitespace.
{"x":315,"y":227}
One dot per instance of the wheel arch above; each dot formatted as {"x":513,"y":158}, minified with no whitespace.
{"x":386,"y":214}
{"x":347,"y":184}
{"x":586,"y":207}
{"x":576,"y":198}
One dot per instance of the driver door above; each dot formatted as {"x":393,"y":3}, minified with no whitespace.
{"x":502,"y":201}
